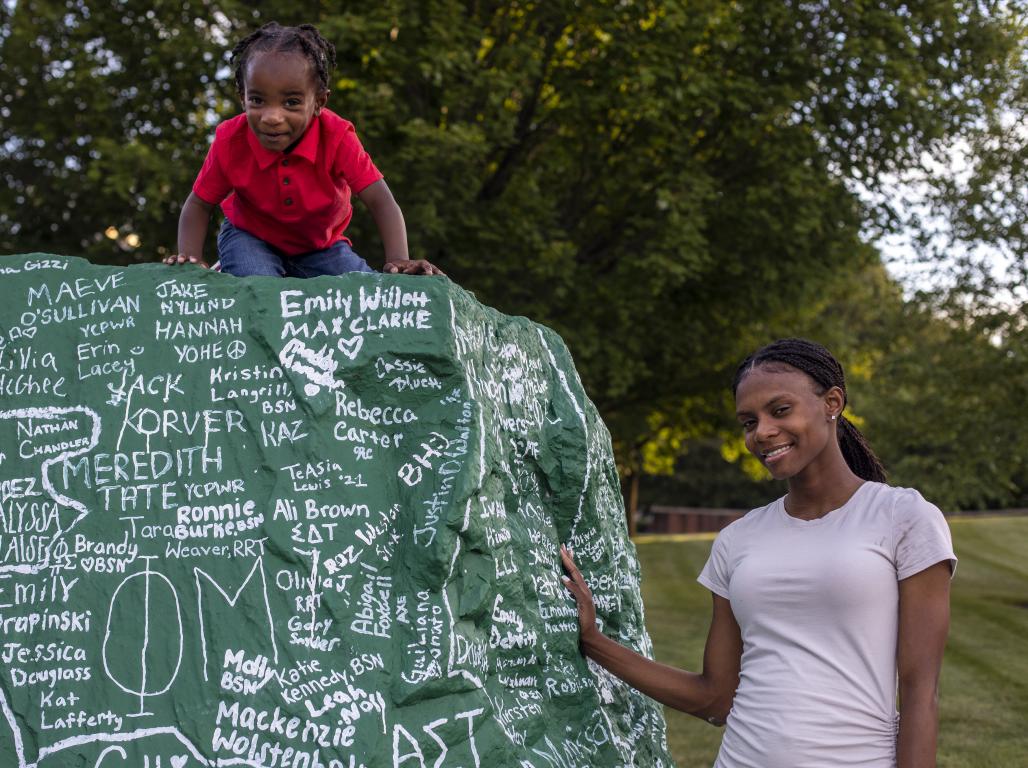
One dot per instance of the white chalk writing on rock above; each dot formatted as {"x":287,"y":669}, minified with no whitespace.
{"x":300,"y":524}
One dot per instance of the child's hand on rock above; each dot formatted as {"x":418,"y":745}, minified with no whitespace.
{"x":411,"y":267}
{"x":181,"y":258}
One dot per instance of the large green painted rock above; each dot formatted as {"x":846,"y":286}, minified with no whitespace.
{"x":300,"y":524}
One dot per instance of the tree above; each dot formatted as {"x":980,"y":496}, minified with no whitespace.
{"x":936,"y":383}
{"x":663,"y":184}
{"x":106,"y":109}
{"x":947,"y":393}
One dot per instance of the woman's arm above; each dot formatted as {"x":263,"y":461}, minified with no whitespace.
{"x":389,"y":219}
{"x":923,"y":625}
{"x":707,"y":695}
{"x":192,"y":231}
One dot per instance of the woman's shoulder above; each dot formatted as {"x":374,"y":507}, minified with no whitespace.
{"x":900,"y":500}
{"x":920,"y":532}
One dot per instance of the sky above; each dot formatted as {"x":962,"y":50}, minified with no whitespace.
{"x":900,"y":252}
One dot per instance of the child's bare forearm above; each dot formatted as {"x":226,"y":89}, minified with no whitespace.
{"x":192,"y":226}
{"x":389,"y":219}
{"x":394,"y":233}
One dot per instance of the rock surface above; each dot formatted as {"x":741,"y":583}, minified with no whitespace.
{"x":283,"y":523}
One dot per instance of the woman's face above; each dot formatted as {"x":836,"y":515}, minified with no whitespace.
{"x":786,"y":423}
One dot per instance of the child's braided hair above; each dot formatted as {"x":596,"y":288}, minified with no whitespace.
{"x":304,"y":39}
{"x":818,"y":363}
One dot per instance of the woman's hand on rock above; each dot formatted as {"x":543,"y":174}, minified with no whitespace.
{"x":583,"y":596}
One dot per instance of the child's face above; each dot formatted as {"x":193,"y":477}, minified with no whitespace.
{"x":280,"y":98}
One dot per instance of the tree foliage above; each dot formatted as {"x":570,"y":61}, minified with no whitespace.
{"x":947,"y":396}
{"x":937,"y":383}
{"x":106,"y":110}
{"x":666,"y":184}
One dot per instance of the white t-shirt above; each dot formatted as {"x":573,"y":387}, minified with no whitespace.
{"x":817,"y":602}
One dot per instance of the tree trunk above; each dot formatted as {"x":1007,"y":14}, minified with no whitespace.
{"x":633,"y":502}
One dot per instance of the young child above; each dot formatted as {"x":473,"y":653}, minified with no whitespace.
{"x":285,"y":170}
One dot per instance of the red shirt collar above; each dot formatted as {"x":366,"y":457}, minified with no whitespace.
{"x":307,"y":148}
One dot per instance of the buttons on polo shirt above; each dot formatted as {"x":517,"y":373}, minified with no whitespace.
{"x":285,"y":161}
{"x":288,"y":201}
{"x":285,"y":180}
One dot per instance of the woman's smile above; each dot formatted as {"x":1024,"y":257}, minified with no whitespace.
{"x":773,"y":455}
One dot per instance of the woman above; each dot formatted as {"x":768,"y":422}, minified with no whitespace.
{"x":823,"y":599}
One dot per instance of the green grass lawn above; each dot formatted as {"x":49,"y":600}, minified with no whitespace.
{"x":984,"y":692}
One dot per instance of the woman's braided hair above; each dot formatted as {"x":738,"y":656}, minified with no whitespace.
{"x":304,"y":39}
{"x":818,"y":363}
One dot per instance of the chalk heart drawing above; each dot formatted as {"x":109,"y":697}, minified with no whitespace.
{"x":350,"y":347}
{"x":179,"y":761}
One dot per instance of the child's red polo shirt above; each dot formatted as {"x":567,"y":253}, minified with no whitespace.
{"x":297,"y":202}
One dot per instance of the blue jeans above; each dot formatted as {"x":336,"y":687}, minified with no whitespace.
{"x":241,"y":254}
